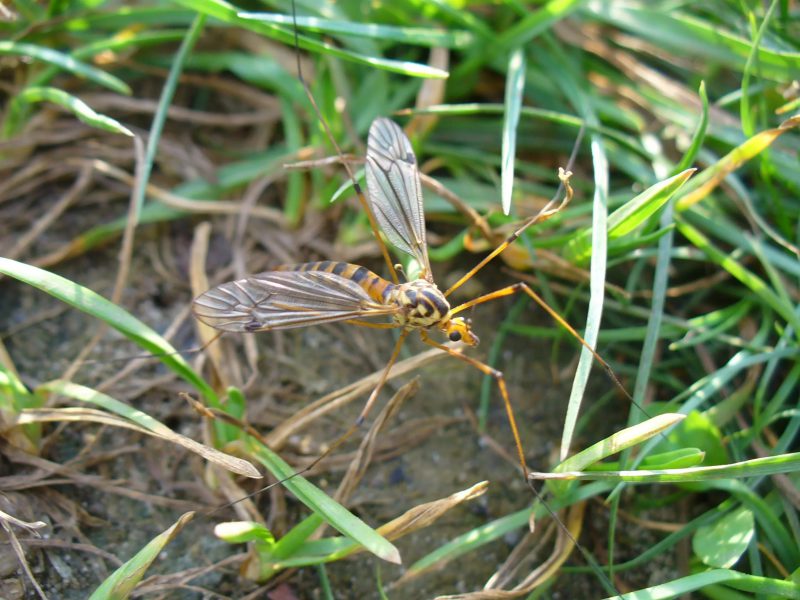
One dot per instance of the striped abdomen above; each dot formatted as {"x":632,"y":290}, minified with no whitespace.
{"x":422,"y":304}
{"x":376,"y":286}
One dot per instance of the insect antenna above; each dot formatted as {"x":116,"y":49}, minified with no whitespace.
{"x":550,"y":209}
{"x":356,"y":185}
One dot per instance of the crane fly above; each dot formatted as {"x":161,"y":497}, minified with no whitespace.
{"x":301,"y":295}
{"x":328,"y":291}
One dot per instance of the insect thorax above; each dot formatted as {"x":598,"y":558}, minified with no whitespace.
{"x":423,"y":305}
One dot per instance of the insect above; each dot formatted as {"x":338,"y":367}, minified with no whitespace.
{"x":328,"y":291}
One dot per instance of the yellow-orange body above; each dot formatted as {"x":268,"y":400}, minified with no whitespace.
{"x":420,"y":303}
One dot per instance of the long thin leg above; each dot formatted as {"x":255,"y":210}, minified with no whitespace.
{"x":523,"y":287}
{"x":361,"y":417}
{"x":374,"y":395}
{"x":370,"y":401}
{"x":547,"y":212}
{"x":372,"y":325}
{"x":501,"y":384}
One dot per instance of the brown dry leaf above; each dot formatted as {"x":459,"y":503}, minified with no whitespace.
{"x":421,"y":516}
{"x":565,"y":543}
{"x":709,"y":179}
{"x":431,"y":92}
{"x":230,"y":463}
{"x":330,"y":402}
{"x":426,"y":514}
{"x":366,"y":450}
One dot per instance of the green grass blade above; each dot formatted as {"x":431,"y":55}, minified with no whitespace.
{"x":707,"y":387}
{"x":721,"y":227}
{"x":538,"y":21}
{"x":551,"y":116}
{"x":131,"y":16}
{"x":629,"y":216}
{"x":698,"y":581}
{"x":67,"y":63}
{"x":745,"y":114}
{"x":120,"y":583}
{"x":572,"y":83}
{"x":315,"y":499}
{"x":770,"y":465}
{"x":14,"y":396}
{"x":699,"y":135}
{"x":752,"y":281}
{"x":515,"y":85}
{"x":75,"y":105}
{"x":295,"y":194}
{"x":164,"y":102}
{"x":597,"y":271}
{"x":228,"y":13}
{"x":480,"y":536}
{"x":418,"y":36}
{"x":618,"y":442}
{"x":532,"y":24}
{"x":674,"y":459}
{"x":135,"y":41}
{"x":706,"y":181}
{"x":95,"y":305}
{"x":679,"y":32}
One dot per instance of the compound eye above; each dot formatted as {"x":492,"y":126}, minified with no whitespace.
{"x":455,"y":336}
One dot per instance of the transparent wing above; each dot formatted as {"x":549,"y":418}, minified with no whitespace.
{"x":285,"y":299}
{"x":394,"y":190}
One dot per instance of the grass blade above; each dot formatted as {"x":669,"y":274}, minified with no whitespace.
{"x":770,"y":465}
{"x":95,"y":305}
{"x":149,"y":425}
{"x":228,"y":13}
{"x":120,"y":583}
{"x":419,"y":36}
{"x":515,"y":84}
{"x":67,"y":63}
{"x":334,"y":513}
{"x":75,"y":105}
{"x":629,"y":216}
{"x":699,"y":581}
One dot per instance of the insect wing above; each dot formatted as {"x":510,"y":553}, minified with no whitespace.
{"x":394,"y":190}
{"x":285,"y":299}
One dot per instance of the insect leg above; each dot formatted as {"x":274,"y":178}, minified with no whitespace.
{"x":547,"y":212}
{"x":569,"y":533}
{"x":501,"y":384}
{"x":367,"y":407}
{"x":374,"y":395}
{"x":523,"y":287}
